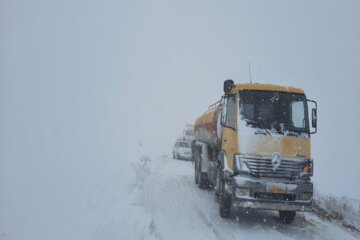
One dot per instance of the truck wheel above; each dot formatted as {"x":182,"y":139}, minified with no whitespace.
{"x":200,"y":178}
{"x":224,"y":197}
{"x":203,"y":182}
{"x":196,"y":175}
{"x":174,"y":155}
{"x":287,"y":216}
{"x":216,"y":184}
{"x":197,"y":161}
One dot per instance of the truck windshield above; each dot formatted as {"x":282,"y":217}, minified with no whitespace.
{"x":184,"y":144}
{"x":279,"y":111}
{"x":189,"y":132}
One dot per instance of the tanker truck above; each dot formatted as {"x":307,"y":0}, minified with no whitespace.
{"x":252,"y":147}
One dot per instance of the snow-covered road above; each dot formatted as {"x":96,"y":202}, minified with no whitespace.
{"x":177,"y":209}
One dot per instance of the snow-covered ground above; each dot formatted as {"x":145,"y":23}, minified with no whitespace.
{"x":341,"y":210}
{"x":156,"y":198}
{"x":171,"y":206}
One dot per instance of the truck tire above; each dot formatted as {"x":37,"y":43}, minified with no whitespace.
{"x":200,"y":178}
{"x":216,"y":184}
{"x":196,"y":172}
{"x":287,"y":216}
{"x":203,"y":181}
{"x":224,"y":197}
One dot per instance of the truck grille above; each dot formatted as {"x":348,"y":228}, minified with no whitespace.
{"x":288,"y":168}
{"x":275,"y":196}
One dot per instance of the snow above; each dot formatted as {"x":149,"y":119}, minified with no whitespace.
{"x":154,"y":197}
{"x":93,"y":92}
{"x":342,"y":210}
{"x":251,"y":138}
{"x":175,"y":208}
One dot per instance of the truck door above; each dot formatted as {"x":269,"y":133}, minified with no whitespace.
{"x":229,"y":142}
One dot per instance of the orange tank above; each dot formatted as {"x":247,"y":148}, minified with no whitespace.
{"x":206,"y":126}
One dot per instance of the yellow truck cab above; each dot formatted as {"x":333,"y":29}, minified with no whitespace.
{"x":253,"y":148}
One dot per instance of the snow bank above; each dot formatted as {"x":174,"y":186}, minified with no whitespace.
{"x":342,"y":210}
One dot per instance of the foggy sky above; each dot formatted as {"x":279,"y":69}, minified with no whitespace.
{"x":84,"y":83}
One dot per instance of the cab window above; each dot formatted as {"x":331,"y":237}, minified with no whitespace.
{"x":230,"y":112}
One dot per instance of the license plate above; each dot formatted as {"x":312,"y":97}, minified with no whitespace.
{"x":276,"y":190}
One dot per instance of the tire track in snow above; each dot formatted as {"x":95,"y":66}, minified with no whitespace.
{"x":166,"y":192}
{"x":208,"y":223}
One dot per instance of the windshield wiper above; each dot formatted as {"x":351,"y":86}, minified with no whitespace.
{"x":260,"y":129}
{"x":263,"y":132}
{"x":290,"y":130}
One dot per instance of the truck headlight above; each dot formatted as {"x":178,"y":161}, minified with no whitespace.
{"x":309,"y":168}
{"x":306,"y":196}
{"x":240,"y":165}
{"x":242,"y":192}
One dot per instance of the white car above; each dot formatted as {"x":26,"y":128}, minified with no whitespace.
{"x":182,"y":150}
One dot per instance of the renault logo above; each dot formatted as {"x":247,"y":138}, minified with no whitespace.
{"x":275,"y":160}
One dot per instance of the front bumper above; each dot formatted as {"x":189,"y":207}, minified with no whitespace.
{"x":272,"y":194}
{"x":185,"y":155}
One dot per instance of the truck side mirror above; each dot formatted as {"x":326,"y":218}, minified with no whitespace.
{"x":223,"y":116}
{"x":223,"y":111}
{"x":314,"y":118}
{"x":228,"y":85}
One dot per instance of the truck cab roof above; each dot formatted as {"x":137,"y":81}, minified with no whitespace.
{"x":265,"y":87}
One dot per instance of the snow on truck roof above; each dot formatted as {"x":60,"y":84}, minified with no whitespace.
{"x":265,"y":87}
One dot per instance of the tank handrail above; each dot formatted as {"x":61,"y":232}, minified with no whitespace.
{"x":214,"y":105}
